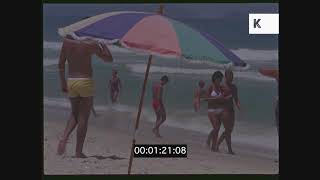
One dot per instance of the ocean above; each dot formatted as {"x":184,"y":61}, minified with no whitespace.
{"x":255,"y":124}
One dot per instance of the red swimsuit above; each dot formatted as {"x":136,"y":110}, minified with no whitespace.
{"x":156,"y":102}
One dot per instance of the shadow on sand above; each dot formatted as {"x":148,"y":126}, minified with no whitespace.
{"x":113,"y":157}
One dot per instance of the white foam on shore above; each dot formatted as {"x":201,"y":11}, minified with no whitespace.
{"x":65,"y":103}
{"x":51,"y":45}
{"x":140,"y":68}
{"x":256,"y":55}
{"x":244,"y":54}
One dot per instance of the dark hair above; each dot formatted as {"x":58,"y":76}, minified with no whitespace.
{"x":201,"y":83}
{"x":165,"y":78}
{"x":217,"y":75}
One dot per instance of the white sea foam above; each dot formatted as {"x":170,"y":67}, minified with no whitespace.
{"x":244,"y":54}
{"x":140,"y":68}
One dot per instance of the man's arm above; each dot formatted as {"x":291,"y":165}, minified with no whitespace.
{"x":100,"y":49}
{"x":104,"y":53}
{"x":61,"y":66}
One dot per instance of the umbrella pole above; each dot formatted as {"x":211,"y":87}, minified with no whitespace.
{"x":139,"y":112}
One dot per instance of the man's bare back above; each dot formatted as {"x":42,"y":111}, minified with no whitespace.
{"x":78,"y":58}
{"x":78,"y":55}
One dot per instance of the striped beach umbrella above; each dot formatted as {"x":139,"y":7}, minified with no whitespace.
{"x":153,"y":34}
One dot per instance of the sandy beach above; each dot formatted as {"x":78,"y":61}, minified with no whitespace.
{"x":108,"y":146}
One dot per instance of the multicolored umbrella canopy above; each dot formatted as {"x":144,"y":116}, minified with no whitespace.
{"x":153,"y":34}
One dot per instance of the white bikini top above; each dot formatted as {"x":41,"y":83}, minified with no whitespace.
{"x":214,"y":93}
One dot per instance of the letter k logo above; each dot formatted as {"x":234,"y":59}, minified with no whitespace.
{"x":256,"y":23}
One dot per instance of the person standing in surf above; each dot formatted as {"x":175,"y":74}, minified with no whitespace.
{"x":157,"y":104}
{"x":79,"y":86}
{"x":114,"y":86}
{"x":228,"y":115}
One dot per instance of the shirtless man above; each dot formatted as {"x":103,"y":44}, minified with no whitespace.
{"x":80,"y":86}
{"x":157,"y":104}
{"x":199,"y":93}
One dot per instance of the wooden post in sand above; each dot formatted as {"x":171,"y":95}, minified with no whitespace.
{"x":139,"y":112}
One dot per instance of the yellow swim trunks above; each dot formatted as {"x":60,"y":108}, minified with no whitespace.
{"x":80,"y":87}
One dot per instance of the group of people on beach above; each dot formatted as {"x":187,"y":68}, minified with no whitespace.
{"x":221,"y":98}
{"x":221,"y":95}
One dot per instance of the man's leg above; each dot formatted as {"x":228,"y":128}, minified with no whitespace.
{"x":155,"y":130}
{"x":111,"y":96}
{"x":163,"y":117}
{"x":229,"y":124}
{"x":84,"y":113}
{"x":115,"y":96}
{"x":71,"y":124}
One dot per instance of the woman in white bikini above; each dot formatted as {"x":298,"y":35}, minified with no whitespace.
{"x":216,"y":102}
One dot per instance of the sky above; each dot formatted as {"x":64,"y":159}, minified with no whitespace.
{"x":204,"y":10}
